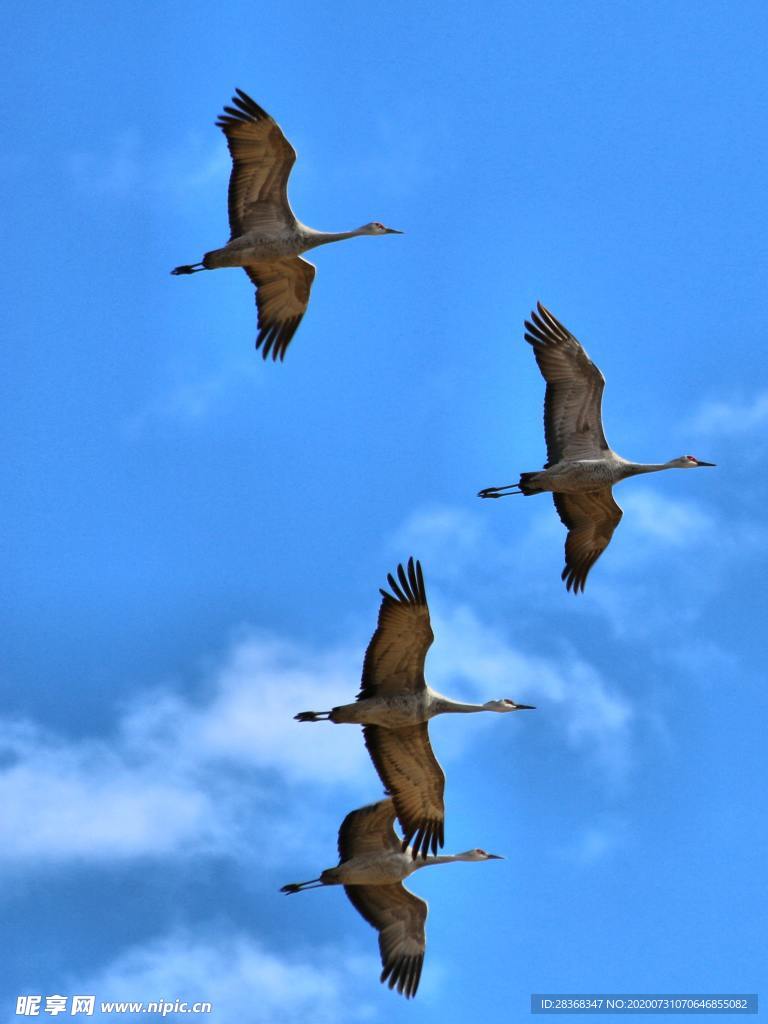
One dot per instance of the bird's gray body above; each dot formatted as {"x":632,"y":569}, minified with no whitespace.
{"x":397,"y":710}
{"x":574,"y":476}
{"x":260,"y":247}
{"x":383,"y":868}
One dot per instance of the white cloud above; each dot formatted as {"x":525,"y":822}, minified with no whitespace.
{"x":595,"y":844}
{"x":442,"y":536}
{"x":261,"y":685}
{"x":595,"y":717}
{"x":737,"y":417}
{"x":657,"y":518}
{"x":187,"y":776}
{"x":180,"y":777}
{"x":457,"y":542}
{"x":126,"y":164}
{"x":241,"y":978}
{"x":87,"y":800}
{"x":190,"y":400}
{"x":650,"y":580}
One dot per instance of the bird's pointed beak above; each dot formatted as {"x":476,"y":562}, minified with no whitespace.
{"x":525,"y":707}
{"x":495,"y":856}
{"x":393,"y":231}
{"x":700,"y":463}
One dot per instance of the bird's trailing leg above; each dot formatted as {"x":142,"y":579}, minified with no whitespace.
{"x":313,"y":883}
{"x":189,"y":268}
{"x":313,"y":716}
{"x":499,"y":492}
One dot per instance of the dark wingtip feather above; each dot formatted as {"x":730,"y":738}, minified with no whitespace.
{"x":404,"y":974}
{"x":248,"y":105}
{"x":244,"y":111}
{"x":393,"y":584}
{"x":575,"y":578}
{"x":422,"y":590}
{"x":409,"y":973}
{"x":404,"y":582}
{"x":434,"y":839}
{"x":551,"y":321}
{"x":409,"y":586}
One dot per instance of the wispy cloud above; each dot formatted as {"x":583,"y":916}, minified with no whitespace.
{"x":444,"y":536}
{"x":734,"y":417}
{"x":649,"y":582}
{"x":89,"y":800}
{"x":474,"y":660}
{"x":126,"y":164}
{"x":193,"y":767}
{"x":595,"y":844}
{"x":205,"y":768}
{"x":456,"y":538}
{"x":262,"y":683}
{"x":241,"y":977}
{"x":658,"y":519}
{"x":190,"y":401}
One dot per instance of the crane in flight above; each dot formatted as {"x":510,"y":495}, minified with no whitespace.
{"x":266,"y":238}
{"x":372,"y":866}
{"x":581,"y":467}
{"x":394,"y":706}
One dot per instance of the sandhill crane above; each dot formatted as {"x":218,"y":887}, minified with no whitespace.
{"x":394,"y":705}
{"x":267,"y":239}
{"x":372,"y":865}
{"x":581,"y":468}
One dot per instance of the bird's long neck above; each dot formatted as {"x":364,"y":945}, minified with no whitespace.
{"x":445,"y":858}
{"x":635,"y":468}
{"x":443,"y":706}
{"x":315,"y":238}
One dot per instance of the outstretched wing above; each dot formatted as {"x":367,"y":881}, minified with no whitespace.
{"x":573,"y":424}
{"x":368,"y":830}
{"x":413,"y":778}
{"x":591,"y":518}
{"x":282,"y":296}
{"x":399,"y":918}
{"x":262,"y":159}
{"x":394,"y":661}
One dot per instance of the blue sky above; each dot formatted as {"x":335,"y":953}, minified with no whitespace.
{"x":195,"y":539}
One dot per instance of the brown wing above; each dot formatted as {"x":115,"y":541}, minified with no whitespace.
{"x":282,"y":296}
{"x":413,"y":778}
{"x":591,"y":518}
{"x":399,"y":918}
{"x":368,"y":830}
{"x":573,"y":424}
{"x":262,"y":159}
{"x":394,"y":661}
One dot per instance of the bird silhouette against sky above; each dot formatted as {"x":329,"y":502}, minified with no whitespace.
{"x":372,"y":866}
{"x":266,"y":238}
{"x":581,"y":468}
{"x":395,"y":704}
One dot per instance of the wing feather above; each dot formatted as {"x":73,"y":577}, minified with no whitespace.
{"x":572,"y":404}
{"x":414,"y":779}
{"x":282,"y":296}
{"x":368,"y":830}
{"x":394,"y":660}
{"x":399,"y":917}
{"x":591,"y":518}
{"x":262,"y":159}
